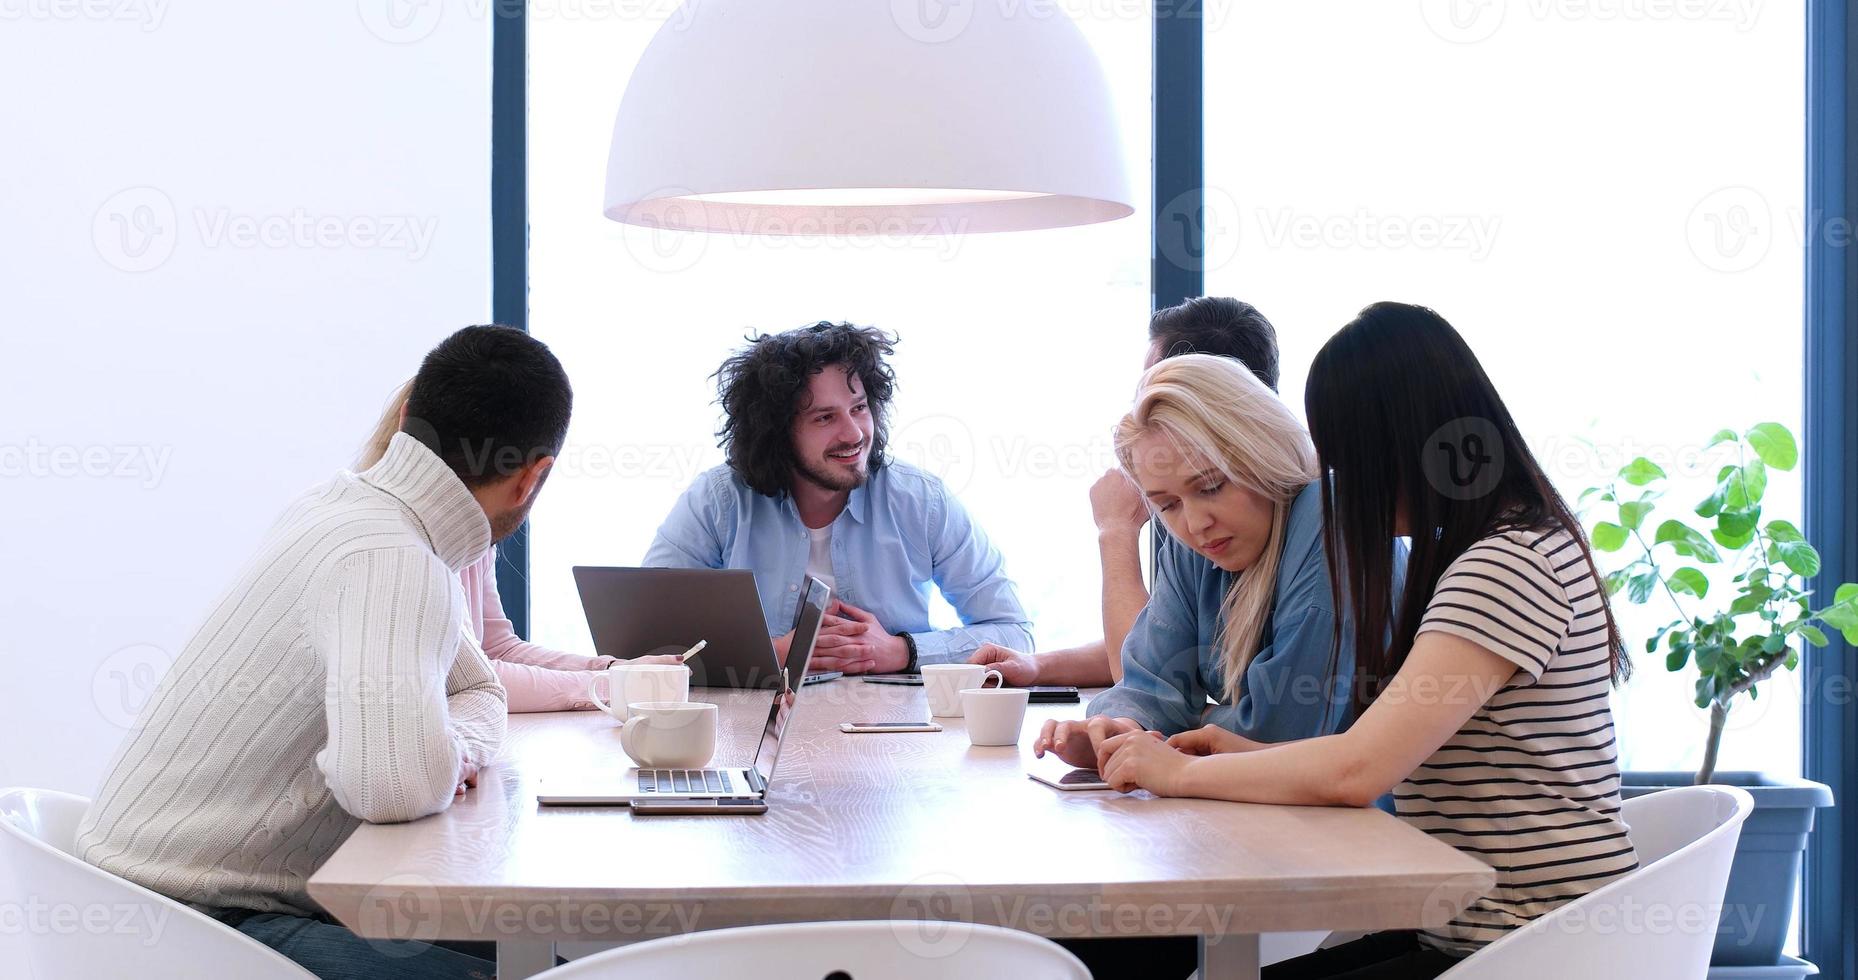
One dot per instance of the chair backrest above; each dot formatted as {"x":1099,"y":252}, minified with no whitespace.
{"x":900,"y":950}
{"x":1657,"y":923}
{"x":81,"y":921}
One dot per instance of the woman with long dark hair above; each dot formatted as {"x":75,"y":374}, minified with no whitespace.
{"x":1482,"y":680}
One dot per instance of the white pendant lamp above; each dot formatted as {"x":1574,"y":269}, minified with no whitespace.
{"x":866,"y":117}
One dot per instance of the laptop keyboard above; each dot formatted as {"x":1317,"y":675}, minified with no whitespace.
{"x":675,"y":781}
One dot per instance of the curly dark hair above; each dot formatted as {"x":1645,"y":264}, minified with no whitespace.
{"x":760,"y":387}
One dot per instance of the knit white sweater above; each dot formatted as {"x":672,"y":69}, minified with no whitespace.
{"x":335,"y":682}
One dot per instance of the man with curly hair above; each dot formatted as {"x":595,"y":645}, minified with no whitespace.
{"x":808,"y":489}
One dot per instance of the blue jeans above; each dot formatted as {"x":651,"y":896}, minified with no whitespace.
{"x":334,"y":953}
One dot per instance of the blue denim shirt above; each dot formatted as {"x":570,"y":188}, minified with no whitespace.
{"x":1171,"y":660}
{"x":900,"y":533}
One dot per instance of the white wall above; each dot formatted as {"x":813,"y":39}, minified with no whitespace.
{"x":180,"y":360}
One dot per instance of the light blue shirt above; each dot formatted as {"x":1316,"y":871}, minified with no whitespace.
{"x":899,"y":534}
{"x":1172,"y":659}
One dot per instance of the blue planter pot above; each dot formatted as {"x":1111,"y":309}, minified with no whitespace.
{"x":1758,"y":906}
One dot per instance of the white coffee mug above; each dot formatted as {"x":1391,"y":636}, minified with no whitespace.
{"x":670,"y":734}
{"x":944,"y":682}
{"x":627,"y":683}
{"x":995,"y":714}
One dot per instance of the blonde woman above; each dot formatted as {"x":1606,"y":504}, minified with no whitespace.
{"x":1243,"y":615}
{"x":537,"y":678}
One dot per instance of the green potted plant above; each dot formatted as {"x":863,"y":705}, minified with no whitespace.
{"x":1734,"y":635}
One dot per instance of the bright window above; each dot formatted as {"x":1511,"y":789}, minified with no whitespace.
{"x":1605,"y":198}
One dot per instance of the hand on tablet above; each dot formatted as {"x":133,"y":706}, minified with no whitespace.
{"x":1078,"y":742}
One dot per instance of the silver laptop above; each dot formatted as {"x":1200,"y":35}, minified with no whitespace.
{"x":751,"y":780}
{"x":633,"y":612}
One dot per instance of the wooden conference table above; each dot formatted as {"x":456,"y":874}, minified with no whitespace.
{"x":919,"y":829}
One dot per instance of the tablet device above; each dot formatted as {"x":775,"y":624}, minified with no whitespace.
{"x":1075,"y":779}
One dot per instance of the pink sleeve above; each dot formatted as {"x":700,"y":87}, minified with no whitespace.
{"x":533,"y":688}
{"x":502,"y":645}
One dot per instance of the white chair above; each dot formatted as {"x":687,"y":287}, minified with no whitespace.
{"x":899,"y":950}
{"x":1657,"y":923}
{"x":81,"y":922}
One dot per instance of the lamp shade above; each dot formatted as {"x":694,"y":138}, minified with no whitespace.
{"x":853,"y":117}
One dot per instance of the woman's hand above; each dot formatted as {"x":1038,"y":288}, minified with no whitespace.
{"x":1141,"y":760}
{"x":1077,"y":742}
{"x":1212,"y":740}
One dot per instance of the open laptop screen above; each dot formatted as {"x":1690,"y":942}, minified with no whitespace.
{"x":799,"y":654}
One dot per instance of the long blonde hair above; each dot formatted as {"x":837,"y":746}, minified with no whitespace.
{"x":376,"y":446}
{"x":1216,"y":408}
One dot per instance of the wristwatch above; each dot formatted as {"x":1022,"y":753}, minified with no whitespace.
{"x":909,"y":643}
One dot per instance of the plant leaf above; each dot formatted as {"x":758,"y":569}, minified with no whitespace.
{"x":1798,"y":556}
{"x":1813,"y":635}
{"x":1639,"y":587}
{"x":1689,"y":581}
{"x":1743,"y":486}
{"x":1675,"y":660}
{"x":1641,"y":471}
{"x":1608,"y":536}
{"x":1632,"y":513}
{"x":1784,"y":531}
{"x":1775,"y":445}
{"x":1685,"y":540}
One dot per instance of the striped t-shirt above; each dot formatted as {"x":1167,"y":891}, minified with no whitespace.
{"x":1530,"y":785}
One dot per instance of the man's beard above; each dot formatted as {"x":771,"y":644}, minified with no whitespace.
{"x":835,"y":482}
{"x":505,"y":524}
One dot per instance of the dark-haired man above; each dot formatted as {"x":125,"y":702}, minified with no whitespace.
{"x":1217,"y":325}
{"x":336,"y":681}
{"x":807,"y":489}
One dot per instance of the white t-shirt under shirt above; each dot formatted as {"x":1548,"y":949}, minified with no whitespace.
{"x":819,"y":555}
{"x":1530,"y":785}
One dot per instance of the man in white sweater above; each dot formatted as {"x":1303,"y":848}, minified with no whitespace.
{"x":336,"y":681}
